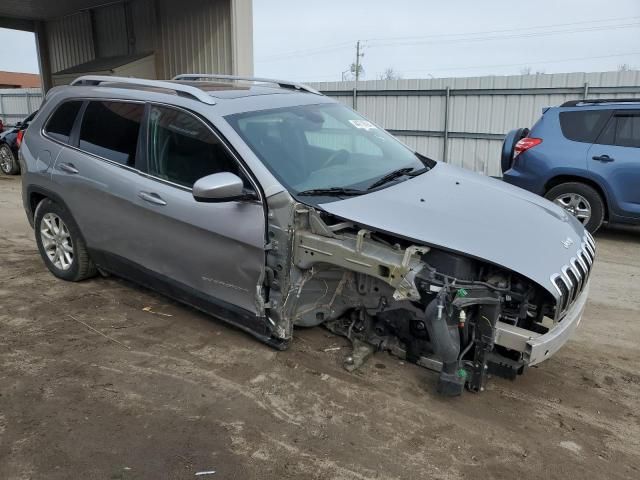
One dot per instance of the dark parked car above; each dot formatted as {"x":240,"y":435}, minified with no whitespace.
{"x":584,"y":156}
{"x":10,"y":141}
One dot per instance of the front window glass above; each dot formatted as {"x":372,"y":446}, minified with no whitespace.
{"x":322,"y":146}
{"x":182,"y":149}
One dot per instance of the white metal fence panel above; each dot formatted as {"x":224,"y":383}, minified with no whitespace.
{"x":480,"y":110}
{"x":18,"y":103}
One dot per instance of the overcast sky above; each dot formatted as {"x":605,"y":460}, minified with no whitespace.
{"x":423,"y":38}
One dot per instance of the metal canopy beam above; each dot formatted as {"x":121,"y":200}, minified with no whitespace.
{"x":17,"y":24}
{"x":45,"y":9}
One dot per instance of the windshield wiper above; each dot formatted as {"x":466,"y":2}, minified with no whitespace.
{"x":408,"y":171}
{"x":333,"y":191}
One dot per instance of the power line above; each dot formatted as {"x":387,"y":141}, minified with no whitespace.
{"x":517,"y":29}
{"x":527,"y":63}
{"x":507,"y":37}
{"x":310,"y":51}
{"x":470,"y":36}
{"x":539,"y":62}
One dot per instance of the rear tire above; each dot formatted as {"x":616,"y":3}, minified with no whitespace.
{"x":582,"y":201}
{"x":8,"y":162}
{"x":60,"y":243}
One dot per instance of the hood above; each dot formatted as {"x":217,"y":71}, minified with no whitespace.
{"x":485,"y":218}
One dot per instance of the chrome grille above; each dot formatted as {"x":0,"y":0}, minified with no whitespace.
{"x":572,"y":278}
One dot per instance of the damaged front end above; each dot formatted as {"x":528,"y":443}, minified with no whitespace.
{"x":465,"y":318}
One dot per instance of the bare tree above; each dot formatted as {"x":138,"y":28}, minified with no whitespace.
{"x":389,"y":74}
{"x":624,"y":67}
{"x":529,"y":71}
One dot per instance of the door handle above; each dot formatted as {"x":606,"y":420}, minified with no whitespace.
{"x":152,"y":198}
{"x":603,"y":158}
{"x":68,"y":168}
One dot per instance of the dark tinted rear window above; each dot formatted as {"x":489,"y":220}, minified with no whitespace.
{"x":61,"y":122}
{"x":584,"y":125}
{"x":110,"y":130}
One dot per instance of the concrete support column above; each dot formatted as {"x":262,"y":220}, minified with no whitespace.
{"x":44,"y":58}
{"x":242,"y":37}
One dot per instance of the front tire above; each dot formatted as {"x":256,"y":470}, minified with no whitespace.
{"x":60,"y":243}
{"x":582,"y":201}
{"x":8,"y":162}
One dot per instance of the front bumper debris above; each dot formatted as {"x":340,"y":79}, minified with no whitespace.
{"x":537,"y":347}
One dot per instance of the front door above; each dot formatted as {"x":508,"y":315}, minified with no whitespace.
{"x":615,"y":158}
{"x":210,"y":250}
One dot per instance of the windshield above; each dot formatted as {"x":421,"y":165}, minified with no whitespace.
{"x":324,"y":146}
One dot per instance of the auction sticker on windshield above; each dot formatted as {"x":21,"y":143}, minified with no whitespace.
{"x":363,"y":124}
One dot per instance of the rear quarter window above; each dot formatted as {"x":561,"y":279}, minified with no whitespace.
{"x":61,"y":122}
{"x":583,"y":126}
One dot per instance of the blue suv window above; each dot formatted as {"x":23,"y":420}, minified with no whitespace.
{"x":583,"y":126}
{"x":623,"y":130}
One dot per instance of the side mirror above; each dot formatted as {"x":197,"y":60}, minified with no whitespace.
{"x":18,"y":125}
{"x":220,"y":187}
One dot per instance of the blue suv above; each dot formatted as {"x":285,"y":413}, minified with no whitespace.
{"x":584,"y":156}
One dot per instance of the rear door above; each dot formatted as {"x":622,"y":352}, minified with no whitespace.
{"x":96,"y":174}
{"x":615,"y":158}
{"x":210,"y":250}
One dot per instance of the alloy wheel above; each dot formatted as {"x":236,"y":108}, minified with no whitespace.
{"x":6,"y":162}
{"x":56,"y":241}
{"x":576,"y":205}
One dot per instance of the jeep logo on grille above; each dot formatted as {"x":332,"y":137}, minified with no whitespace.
{"x":567,"y":243}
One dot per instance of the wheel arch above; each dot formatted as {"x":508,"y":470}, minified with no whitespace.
{"x":36,"y":194}
{"x":560,"y":179}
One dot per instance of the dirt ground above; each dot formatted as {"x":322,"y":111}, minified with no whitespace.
{"x":176,"y":392}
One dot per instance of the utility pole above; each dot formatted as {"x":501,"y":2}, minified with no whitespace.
{"x":355,"y":87}
{"x":358,"y":55}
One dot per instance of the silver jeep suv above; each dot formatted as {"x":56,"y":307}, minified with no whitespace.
{"x":269,"y":205}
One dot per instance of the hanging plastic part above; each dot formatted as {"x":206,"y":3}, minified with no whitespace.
{"x":445,"y":338}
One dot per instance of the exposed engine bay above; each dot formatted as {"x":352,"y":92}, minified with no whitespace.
{"x":432,"y":307}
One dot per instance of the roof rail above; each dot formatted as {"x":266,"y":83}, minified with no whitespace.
{"x":595,"y":101}
{"x":180,"y":89}
{"x":280,"y":83}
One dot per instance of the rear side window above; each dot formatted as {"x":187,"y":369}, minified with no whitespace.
{"x":182,"y":149}
{"x":583,"y":126}
{"x":110,"y":130}
{"x":61,"y":122}
{"x":623,"y":130}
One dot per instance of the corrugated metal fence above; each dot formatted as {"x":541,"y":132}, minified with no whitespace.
{"x":463,"y":120}
{"x":17,"y":103}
